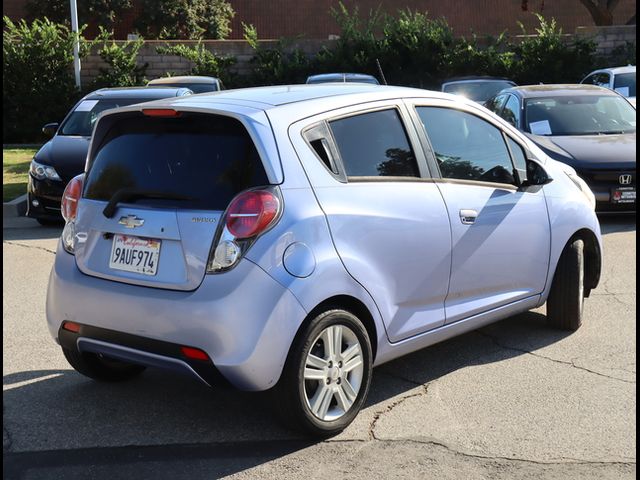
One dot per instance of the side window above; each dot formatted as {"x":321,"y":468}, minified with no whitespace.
{"x":602,"y":79}
{"x":374,"y":145}
{"x":590,"y":80}
{"x":467,"y":147}
{"x":496,"y":104}
{"x":511,"y":111}
{"x":318,"y":138}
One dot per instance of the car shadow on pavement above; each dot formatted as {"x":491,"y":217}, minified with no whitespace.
{"x":23,"y":228}
{"x":617,"y":223}
{"x":60,"y":422}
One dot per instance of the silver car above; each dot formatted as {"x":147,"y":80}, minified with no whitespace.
{"x":291,"y":238}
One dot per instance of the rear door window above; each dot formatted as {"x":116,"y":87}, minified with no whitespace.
{"x":207,"y":158}
{"x":375,"y":144}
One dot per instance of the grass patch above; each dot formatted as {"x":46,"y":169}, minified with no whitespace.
{"x":15,"y":171}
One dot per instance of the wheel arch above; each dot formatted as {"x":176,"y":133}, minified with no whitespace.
{"x":592,"y":258}
{"x":352,"y":305}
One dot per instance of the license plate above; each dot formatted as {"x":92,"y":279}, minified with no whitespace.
{"x":135,"y":254}
{"x":623,"y":195}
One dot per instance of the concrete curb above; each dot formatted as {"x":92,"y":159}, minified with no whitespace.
{"x":16,"y":207}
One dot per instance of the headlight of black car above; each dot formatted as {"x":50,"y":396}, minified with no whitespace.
{"x":42,"y":172}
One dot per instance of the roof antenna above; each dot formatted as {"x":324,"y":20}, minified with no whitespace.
{"x":384,"y":80}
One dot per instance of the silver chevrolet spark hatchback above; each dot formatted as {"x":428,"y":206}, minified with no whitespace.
{"x":291,"y":238}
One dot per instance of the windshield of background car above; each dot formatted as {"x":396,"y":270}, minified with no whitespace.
{"x":480,"y":91}
{"x":82,"y":119}
{"x":625,"y":84}
{"x":579,"y":115}
{"x":207,"y":158}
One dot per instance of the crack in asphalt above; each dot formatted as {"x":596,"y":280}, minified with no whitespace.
{"x":390,"y":407}
{"x":559,"y":461}
{"x":555,"y":360}
{"x":36,"y":247}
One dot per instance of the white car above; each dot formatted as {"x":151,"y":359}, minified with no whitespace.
{"x":620,"y":79}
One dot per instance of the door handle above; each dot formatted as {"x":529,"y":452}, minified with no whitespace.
{"x":468,"y":217}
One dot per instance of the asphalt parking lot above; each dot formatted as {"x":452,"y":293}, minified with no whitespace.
{"x":512,"y":400}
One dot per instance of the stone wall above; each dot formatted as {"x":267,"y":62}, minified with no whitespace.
{"x":607,"y":38}
{"x":159,"y":65}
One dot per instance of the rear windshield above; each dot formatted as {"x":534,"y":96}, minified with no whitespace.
{"x":194,"y":87}
{"x":480,"y":91}
{"x":208,"y":158}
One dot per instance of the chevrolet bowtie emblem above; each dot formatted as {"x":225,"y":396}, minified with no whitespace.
{"x":131,"y":221}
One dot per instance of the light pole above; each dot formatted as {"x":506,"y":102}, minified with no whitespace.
{"x":76,"y":44}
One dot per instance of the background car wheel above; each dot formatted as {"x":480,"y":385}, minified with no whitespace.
{"x":566,"y":298}
{"x":101,"y":368}
{"x":327,"y":375}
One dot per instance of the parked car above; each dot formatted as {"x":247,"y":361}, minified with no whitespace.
{"x":63,"y":157}
{"x":290,"y":238}
{"x":620,"y":79}
{"x":342,"y":78}
{"x":591,"y":128}
{"x":479,"y":89}
{"x":196,"y":84}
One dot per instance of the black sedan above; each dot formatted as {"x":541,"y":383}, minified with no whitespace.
{"x":591,"y":128}
{"x":63,"y":157}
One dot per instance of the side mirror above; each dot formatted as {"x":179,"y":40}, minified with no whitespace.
{"x":50,"y":129}
{"x":536,"y":175}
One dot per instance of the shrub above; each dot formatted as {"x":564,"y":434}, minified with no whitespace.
{"x":122,"y":60}
{"x":549,"y":58}
{"x":185,"y":19}
{"x":621,"y":55}
{"x":274,"y":66}
{"x":38,"y":84}
{"x":204,"y":61}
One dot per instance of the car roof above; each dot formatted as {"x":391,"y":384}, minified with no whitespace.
{"x":184,"y":79}
{"x":147,"y":93}
{"x":341,"y":76}
{"x":477,"y":78}
{"x":533,"y":91}
{"x":266,"y":98}
{"x":616,"y":70}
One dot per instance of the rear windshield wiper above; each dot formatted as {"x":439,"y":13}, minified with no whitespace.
{"x":129,"y":194}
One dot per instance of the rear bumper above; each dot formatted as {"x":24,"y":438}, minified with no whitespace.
{"x":243,"y":319}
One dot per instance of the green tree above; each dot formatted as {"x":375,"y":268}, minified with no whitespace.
{"x":104,"y":12}
{"x":37,"y":82}
{"x":122,"y":60}
{"x":185,"y":19}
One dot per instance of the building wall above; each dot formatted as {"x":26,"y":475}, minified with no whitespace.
{"x":311,"y":18}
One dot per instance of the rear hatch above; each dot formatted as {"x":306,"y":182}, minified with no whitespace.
{"x":167,"y":181}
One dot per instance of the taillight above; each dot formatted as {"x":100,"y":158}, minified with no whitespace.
{"x":70,"y":198}
{"x":251,"y":213}
{"x":160,"y":112}
{"x":248,"y":216}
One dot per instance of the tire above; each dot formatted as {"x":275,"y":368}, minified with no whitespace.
{"x":566,"y":298}
{"x":101,"y":368}
{"x":316,"y":393}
